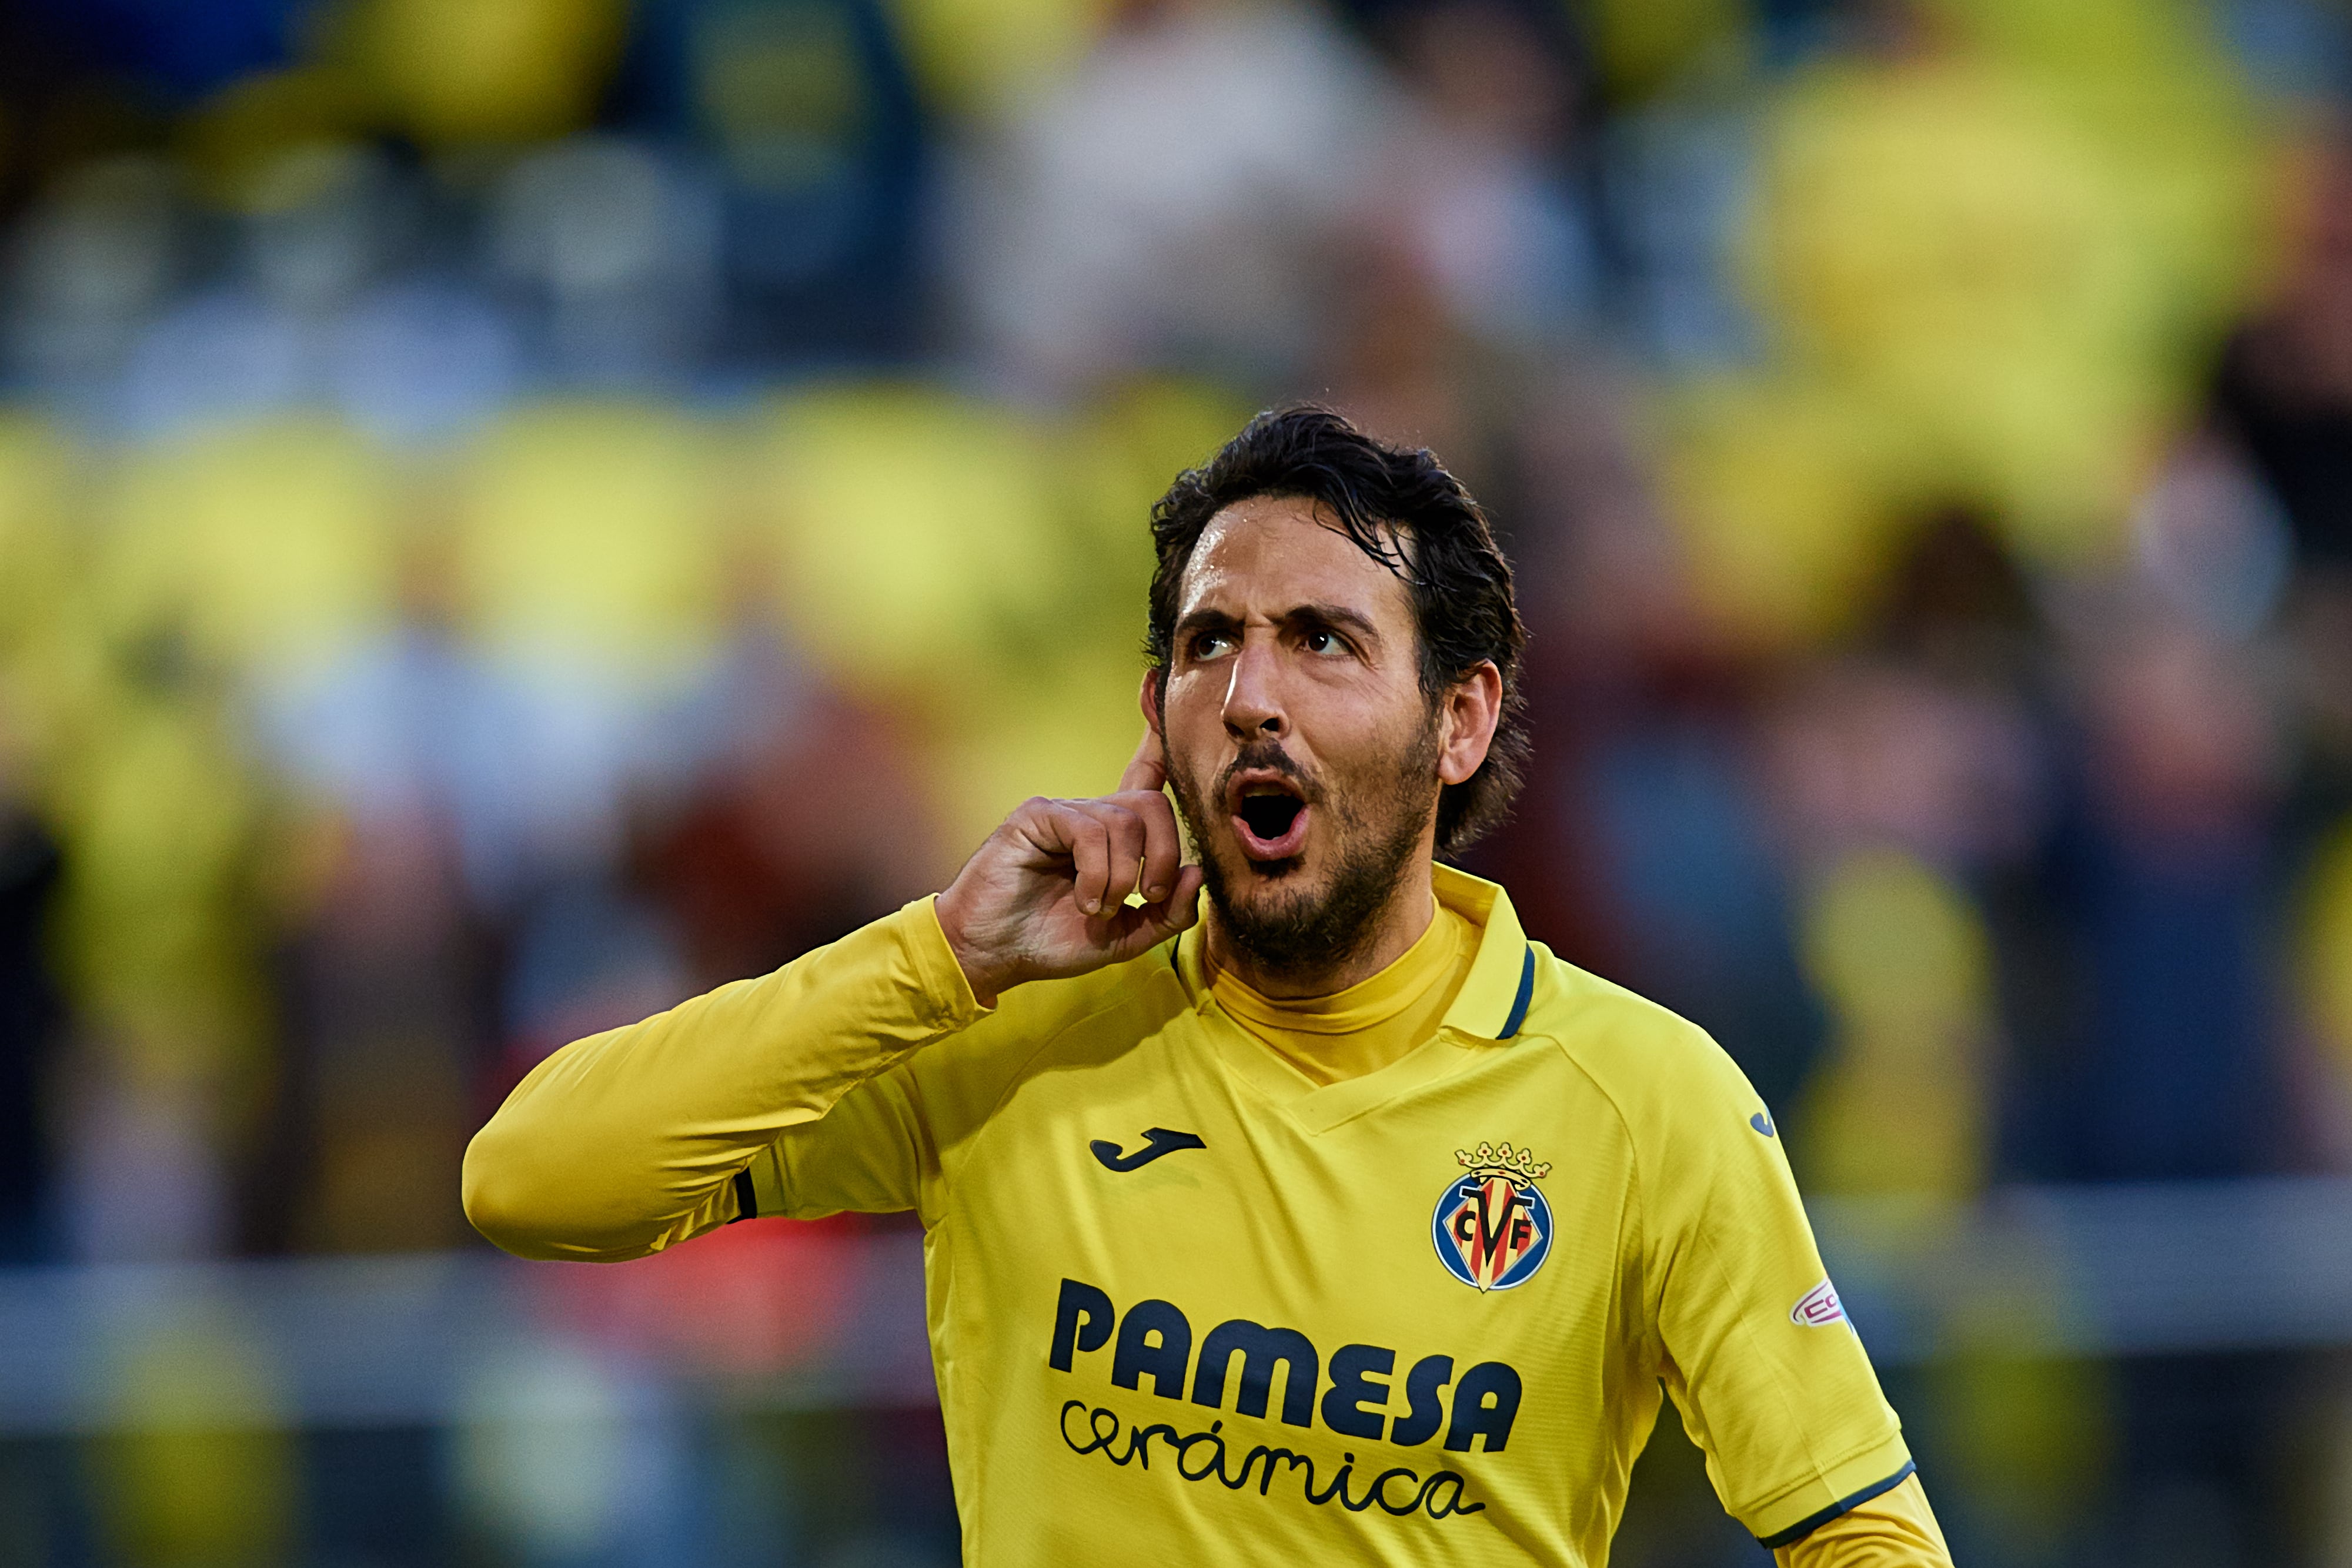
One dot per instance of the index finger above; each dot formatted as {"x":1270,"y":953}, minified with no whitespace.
{"x":1147,"y":769}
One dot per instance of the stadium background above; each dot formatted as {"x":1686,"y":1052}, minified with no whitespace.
{"x":512,"y":511}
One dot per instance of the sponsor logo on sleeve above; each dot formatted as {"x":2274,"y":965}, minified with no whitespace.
{"x":1818,"y":1308}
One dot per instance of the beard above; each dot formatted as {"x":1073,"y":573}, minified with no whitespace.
{"x":1373,"y":826}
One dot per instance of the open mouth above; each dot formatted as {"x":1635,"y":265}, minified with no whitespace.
{"x":1269,"y":817}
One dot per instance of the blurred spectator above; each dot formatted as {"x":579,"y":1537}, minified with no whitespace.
{"x":321,"y":308}
{"x":2285,"y":383}
{"x":188,"y":50}
{"x":384,"y":995}
{"x":2324,"y":962}
{"x":1468,"y":269}
{"x":91,"y":264}
{"x":314,"y":237}
{"x":161,"y":935}
{"x":2283,"y":399}
{"x":2167,"y":868}
{"x":1902,"y":1106}
{"x":803,"y":825}
{"x":614,"y":253}
{"x":1175,"y":201}
{"x":1488,"y":197}
{"x":816,"y":134}
{"x":31,"y":1023}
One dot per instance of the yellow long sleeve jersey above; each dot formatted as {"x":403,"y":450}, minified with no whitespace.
{"x":1179,"y":1298}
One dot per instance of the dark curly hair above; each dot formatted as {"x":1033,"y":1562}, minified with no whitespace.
{"x":1405,"y":511}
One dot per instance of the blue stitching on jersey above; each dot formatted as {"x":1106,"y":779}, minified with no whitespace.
{"x":1806,"y":1526}
{"x":1526,"y":994}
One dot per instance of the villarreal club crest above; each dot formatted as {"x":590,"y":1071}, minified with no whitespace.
{"x":1493,"y":1228}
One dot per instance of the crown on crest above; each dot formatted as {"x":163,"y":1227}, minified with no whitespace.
{"x":1494,"y":1160}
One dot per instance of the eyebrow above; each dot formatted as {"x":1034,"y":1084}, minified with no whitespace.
{"x":1338,"y":617}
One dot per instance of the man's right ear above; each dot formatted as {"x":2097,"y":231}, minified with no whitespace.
{"x":1148,"y":699}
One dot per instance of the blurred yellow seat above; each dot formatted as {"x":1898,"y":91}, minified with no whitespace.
{"x":913,"y":535}
{"x":495,"y":71}
{"x":1784,"y":489}
{"x":985,"y":57}
{"x":35,"y":468}
{"x":44,"y":667}
{"x":269,"y":547}
{"x":586,"y":532}
{"x":1117,"y":459}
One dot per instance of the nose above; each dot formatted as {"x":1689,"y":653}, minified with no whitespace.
{"x":1254,"y":709}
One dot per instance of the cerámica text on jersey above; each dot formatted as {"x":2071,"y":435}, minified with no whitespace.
{"x":1155,"y":1342}
{"x":1205,"y":1455}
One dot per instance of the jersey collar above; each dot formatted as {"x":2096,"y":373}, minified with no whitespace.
{"x":1492,"y":1001}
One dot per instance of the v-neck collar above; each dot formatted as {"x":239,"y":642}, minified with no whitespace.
{"x":1488,"y":1009}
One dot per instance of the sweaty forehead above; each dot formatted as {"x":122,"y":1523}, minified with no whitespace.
{"x":1268,"y":555}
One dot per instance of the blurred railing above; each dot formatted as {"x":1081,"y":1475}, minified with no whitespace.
{"x":781,"y":1318}
{"x":757,"y":1318}
{"x":2061,"y":1271}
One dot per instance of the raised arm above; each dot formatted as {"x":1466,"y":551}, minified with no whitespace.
{"x":626,"y":1142}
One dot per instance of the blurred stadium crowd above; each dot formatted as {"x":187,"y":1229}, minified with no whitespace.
{"x":515,"y":511}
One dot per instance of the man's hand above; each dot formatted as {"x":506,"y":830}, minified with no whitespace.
{"x":1046,"y":895}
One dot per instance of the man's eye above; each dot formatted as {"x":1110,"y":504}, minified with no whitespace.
{"x":1323,"y":643}
{"x":1208,"y":645}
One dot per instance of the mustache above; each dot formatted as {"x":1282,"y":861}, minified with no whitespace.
{"x":1267,"y":755}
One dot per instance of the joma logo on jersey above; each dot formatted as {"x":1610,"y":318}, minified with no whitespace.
{"x":1493,"y":1228}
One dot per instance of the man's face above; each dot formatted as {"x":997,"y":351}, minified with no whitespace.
{"x":1302,"y":751}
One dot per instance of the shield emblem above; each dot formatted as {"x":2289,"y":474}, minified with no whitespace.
{"x":1491,"y":1231}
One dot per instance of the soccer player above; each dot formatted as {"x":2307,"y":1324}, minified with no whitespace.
{"x":1323,"y":1220}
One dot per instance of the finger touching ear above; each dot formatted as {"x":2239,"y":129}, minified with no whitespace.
{"x":1473,"y":709}
{"x":1145,"y":769}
